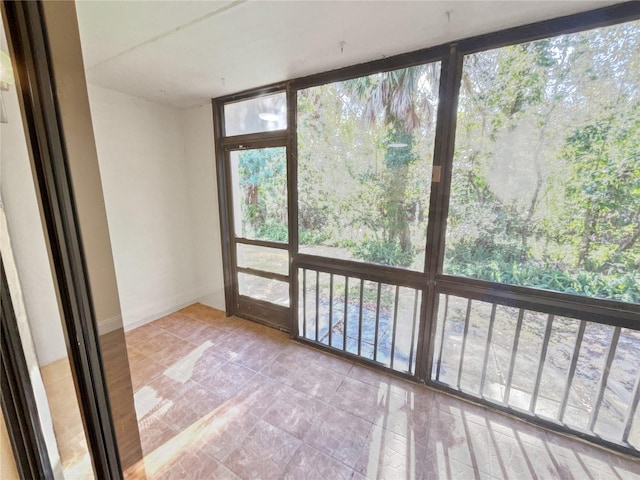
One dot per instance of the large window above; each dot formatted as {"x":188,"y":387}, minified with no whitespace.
{"x":546,"y":176}
{"x":537,"y":186}
{"x":365,"y":149}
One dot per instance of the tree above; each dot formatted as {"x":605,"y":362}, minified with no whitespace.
{"x":262,"y":179}
{"x":397,"y":99}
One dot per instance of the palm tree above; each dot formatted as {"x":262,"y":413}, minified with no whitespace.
{"x":399,"y":100}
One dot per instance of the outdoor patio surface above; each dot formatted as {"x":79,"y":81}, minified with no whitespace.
{"x":221,"y":397}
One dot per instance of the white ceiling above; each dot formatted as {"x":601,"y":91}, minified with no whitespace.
{"x":183,"y":53}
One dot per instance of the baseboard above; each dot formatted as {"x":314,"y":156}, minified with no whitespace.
{"x":141,"y":316}
{"x":109,"y":324}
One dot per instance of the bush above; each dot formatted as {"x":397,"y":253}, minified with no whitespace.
{"x":312,"y":237}
{"x":625,"y":288}
{"x":275,"y":232}
{"x":382,"y":252}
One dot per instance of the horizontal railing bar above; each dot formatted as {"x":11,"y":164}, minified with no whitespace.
{"x":364,"y":271}
{"x":263,"y":274}
{"x":606,"y":312}
{"x":261,"y":243}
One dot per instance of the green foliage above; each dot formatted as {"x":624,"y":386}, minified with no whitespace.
{"x":545,"y":187}
{"x":262,"y":181}
{"x":546,"y":181}
{"x":625,"y":288}
{"x":274,"y":232}
{"x":383,"y":252}
{"x":312,"y":237}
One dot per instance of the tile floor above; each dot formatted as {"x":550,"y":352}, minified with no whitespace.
{"x":226,"y":398}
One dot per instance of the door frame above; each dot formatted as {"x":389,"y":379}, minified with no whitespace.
{"x":235,"y":304}
{"x":39,"y":103}
{"x":261,"y":311}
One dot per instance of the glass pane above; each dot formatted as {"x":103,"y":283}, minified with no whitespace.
{"x":261,"y":114}
{"x":259,"y":183}
{"x":32,"y":290}
{"x":265,"y":289}
{"x":263,"y":258}
{"x":365,"y":150}
{"x":546,"y":177}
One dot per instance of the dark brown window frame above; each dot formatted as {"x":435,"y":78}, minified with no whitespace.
{"x":432,"y":281}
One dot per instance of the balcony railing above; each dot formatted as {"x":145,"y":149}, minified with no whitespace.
{"x":580,"y":374}
{"x":560,"y":363}
{"x":370,"y":319}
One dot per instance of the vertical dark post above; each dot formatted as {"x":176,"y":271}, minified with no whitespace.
{"x":330,"y":308}
{"x":444,"y":324}
{"x":346,"y":312}
{"x":292,"y":201}
{"x":395,"y":326}
{"x":450,"y":80}
{"x":317,"y":303}
{"x":464,"y":343}
{"x":543,"y":355}
{"x":360,"y":318}
{"x":572,"y":370}
{"x":605,"y":377}
{"x":631,"y":411}
{"x":414,"y":320}
{"x":304,"y":303}
{"x":487,"y":348}
{"x":514,"y":354}
{"x":375,"y":340}
{"x":225,"y":210}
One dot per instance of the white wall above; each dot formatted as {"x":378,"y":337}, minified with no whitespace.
{"x":203,"y":200}
{"x":158,"y":176}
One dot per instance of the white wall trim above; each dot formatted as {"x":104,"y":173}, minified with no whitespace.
{"x":109,"y":324}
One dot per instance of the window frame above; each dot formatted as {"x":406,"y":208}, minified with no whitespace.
{"x":432,"y":281}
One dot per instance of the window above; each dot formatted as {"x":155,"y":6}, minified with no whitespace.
{"x":365,"y":150}
{"x":259,"y":114}
{"x":546,"y":175}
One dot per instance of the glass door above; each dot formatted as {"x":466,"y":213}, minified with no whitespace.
{"x":258,"y":211}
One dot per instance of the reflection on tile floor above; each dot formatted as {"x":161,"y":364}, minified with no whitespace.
{"x":67,"y":422}
{"x":227,"y":398}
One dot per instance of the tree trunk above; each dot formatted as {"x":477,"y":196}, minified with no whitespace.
{"x":585,"y":244}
